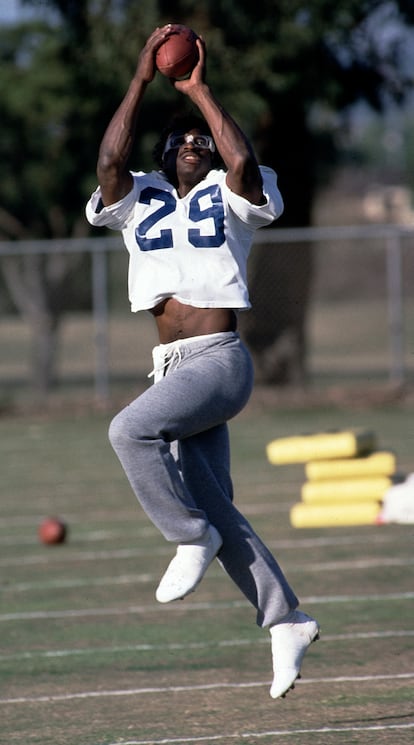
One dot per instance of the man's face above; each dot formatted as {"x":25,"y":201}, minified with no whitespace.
{"x":189,"y":156}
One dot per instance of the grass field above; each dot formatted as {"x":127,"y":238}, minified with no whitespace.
{"x":89,"y":658}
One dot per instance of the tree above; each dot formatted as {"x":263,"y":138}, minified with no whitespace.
{"x":59,"y":82}
{"x":286,"y":68}
{"x":42,"y":185}
{"x":305,"y":66}
{"x":61,"y":76}
{"x":282,"y":67}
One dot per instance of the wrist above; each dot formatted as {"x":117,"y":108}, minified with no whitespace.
{"x":199,"y":93}
{"x":138,"y":82}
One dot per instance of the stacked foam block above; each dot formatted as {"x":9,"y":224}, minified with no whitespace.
{"x":347,"y":477}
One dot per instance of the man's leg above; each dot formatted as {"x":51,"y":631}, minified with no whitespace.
{"x":205,"y":464}
{"x":206,"y":388}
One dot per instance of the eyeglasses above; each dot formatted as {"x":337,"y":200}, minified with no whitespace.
{"x":204,"y":142}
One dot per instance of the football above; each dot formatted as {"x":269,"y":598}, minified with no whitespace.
{"x":52,"y":530}
{"x":178,"y":55}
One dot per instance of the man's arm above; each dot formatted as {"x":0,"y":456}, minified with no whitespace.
{"x":114,"y":177}
{"x":243,"y":174}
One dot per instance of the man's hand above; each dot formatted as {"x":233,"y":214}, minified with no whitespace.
{"x":146,"y":67}
{"x":198,"y":73}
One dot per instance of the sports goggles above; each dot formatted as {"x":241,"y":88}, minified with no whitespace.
{"x":205,"y":142}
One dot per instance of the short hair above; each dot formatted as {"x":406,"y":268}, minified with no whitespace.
{"x":181,"y":124}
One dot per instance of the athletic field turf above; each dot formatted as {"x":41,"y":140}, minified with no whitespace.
{"x":89,"y":658}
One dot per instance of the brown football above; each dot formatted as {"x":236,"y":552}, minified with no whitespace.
{"x":178,"y":55}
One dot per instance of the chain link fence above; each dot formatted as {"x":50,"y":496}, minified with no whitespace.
{"x":359,"y":320}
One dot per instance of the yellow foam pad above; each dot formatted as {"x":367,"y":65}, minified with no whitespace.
{"x":347,"y":490}
{"x":381,"y":463}
{"x":320,"y":446}
{"x":334,"y":515}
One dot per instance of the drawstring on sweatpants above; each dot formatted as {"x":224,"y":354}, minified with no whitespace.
{"x":162,"y":356}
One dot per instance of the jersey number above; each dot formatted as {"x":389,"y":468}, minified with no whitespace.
{"x":165,"y":239}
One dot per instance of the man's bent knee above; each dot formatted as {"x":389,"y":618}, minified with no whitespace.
{"x":118,"y":430}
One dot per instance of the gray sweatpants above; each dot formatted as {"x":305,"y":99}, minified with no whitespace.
{"x":173,"y":444}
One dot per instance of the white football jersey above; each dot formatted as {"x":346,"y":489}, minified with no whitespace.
{"x":194,"y":248}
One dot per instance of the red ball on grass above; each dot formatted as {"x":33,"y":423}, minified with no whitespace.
{"x":52,"y":530}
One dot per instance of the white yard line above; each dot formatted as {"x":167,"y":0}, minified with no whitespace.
{"x":50,"y":555}
{"x":191,"y":688}
{"x":270,"y":733}
{"x":224,"y":605}
{"x":82,"y":652}
{"x":66,"y":583}
{"x":130,"y":553}
{"x":113,"y":518}
{"x":126,"y":579}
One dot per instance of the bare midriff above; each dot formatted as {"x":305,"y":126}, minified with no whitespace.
{"x":178,"y":321}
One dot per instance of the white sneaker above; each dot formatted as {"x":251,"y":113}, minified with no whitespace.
{"x":291,"y":639}
{"x":189,"y":566}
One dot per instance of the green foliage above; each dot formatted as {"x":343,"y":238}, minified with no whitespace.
{"x":270,"y":63}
